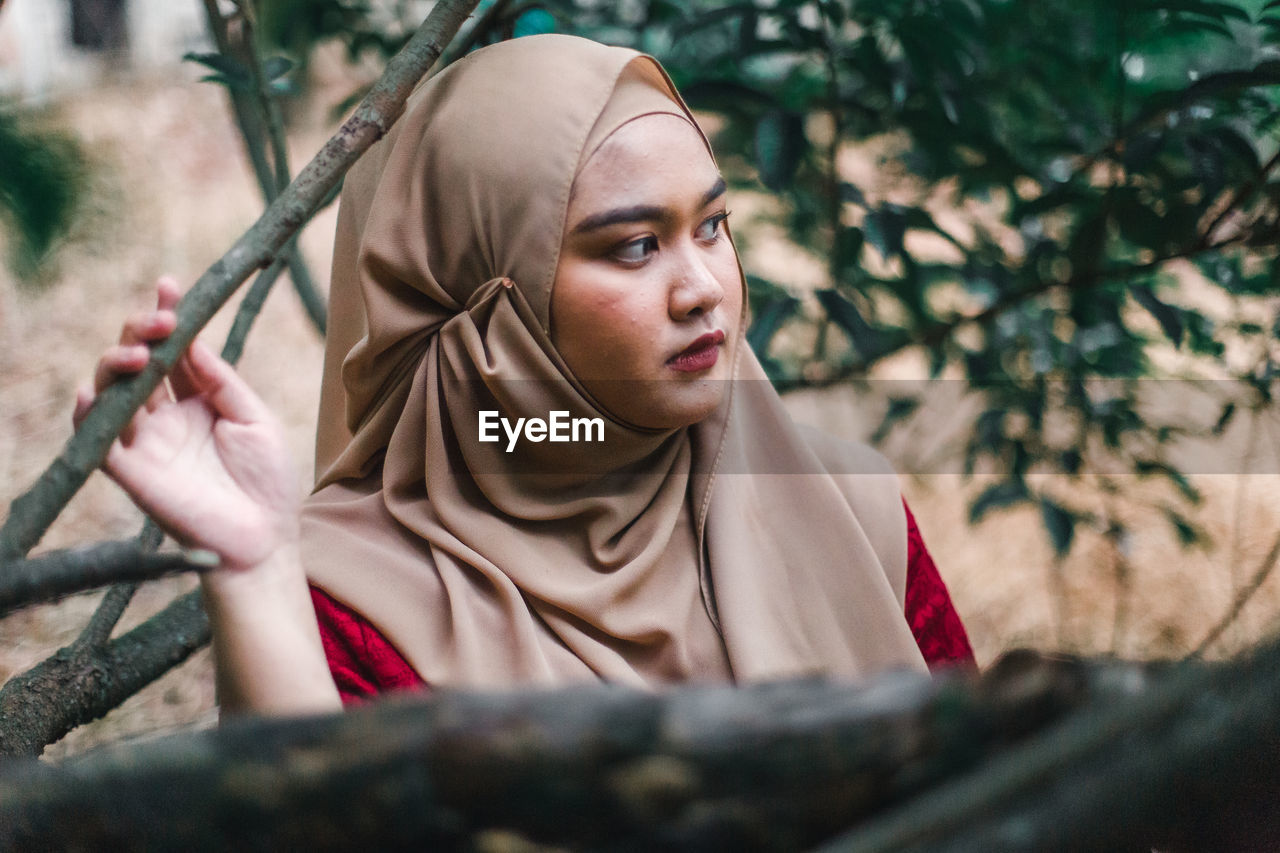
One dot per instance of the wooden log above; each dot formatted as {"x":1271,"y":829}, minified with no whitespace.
{"x":770,"y":767}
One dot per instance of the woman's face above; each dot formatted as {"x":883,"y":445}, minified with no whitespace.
{"x":648,"y":296}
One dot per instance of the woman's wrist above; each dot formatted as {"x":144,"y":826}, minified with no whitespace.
{"x":266,"y":642}
{"x":277,"y":571}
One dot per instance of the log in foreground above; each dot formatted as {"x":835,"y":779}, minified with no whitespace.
{"x":771,"y":767}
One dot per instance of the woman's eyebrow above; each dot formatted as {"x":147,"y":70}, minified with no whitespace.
{"x":642,"y":212}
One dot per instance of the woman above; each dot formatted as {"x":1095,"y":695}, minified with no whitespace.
{"x":542,"y":238}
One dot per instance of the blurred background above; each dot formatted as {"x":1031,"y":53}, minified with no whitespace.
{"x":1027,"y":249}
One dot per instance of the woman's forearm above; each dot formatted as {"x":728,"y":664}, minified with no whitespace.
{"x":266,"y":643}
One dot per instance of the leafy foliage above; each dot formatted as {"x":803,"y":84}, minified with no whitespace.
{"x":1051,"y":175}
{"x":42,"y":175}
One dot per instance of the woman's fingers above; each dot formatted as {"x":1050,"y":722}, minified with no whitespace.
{"x":167,"y":293}
{"x":228,"y":394}
{"x":85,"y":397}
{"x":148,"y":326}
{"x":84,"y":402}
{"x":119,"y":360}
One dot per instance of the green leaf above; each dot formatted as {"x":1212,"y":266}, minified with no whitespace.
{"x":42,"y":180}
{"x":534,"y":22}
{"x":276,"y":67}
{"x":900,"y":408}
{"x":1188,"y":534}
{"x":867,"y":342}
{"x":1148,"y":467}
{"x":1225,"y":418}
{"x":1169,"y":317}
{"x":852,"y":193}
{"x":779,"y":146}
{"x":885,"y":228}
{"x":767,"y":321}
{"x":1060,"y":523}
{"x":998,"y":496}
{"x":235,"y":84}
{"x":227,"y":71}
{"x":851,"y":240}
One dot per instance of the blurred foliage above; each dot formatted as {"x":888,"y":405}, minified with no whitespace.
{"x":42,"y":180}
{"x":1050,"y":175}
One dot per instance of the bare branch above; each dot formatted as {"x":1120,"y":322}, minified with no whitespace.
{"x":33,"y":512}
{"x":248,"y":310}
{"x":113,"y":604}
{"x":1243,"y":596}
{"x":57,"y":573}
{"x":80,"y":684}
{"x":269,"y":108}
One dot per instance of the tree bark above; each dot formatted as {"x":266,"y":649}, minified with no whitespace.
{"x":769,"y":767}
{"x":82,"y":681}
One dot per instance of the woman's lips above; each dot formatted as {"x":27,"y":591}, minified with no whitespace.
{"x":701,"y":355}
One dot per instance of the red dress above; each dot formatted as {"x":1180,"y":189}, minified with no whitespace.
{"x":364,"y":663}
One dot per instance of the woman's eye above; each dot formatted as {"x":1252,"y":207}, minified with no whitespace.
{"x":710,"y":229}
{"x":637,"y":250}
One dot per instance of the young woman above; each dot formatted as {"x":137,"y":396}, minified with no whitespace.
{"x":545,"y":452}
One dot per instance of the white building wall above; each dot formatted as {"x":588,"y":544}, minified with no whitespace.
{"x":37,"y":59}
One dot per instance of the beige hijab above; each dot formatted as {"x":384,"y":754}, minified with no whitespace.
{"x":737,"y":549}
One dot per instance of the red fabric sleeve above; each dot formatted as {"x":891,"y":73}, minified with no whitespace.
{"x":933,"y":618}
{"x":362,"y":661}
{"x":365,"y":664}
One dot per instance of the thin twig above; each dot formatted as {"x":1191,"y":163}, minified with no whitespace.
{"x":1207,"y":86}
{"x":104,"y":620}
{"x":1243,"y":596}
{"x":258,"y":119}
{"x":58,"y":573}
{"x":482,"y":25}
{"x":247,"y":119}
{"x":1243,"y":195}
{"x":32,"y":513}
{"x":113,"y":604}
{"x":248,"y":310}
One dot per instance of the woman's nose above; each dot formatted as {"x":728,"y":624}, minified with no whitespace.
{"x":695,"y":290}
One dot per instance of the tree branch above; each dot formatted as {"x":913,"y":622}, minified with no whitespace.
{"x":57,"y":573}
{"x":1174,"y":764}
{"x":471,"y":39}
{"x":767,"y":767}
{"x":1260,"y":575}
{"x":257,"y":120}
{"x":81,"y":683}
{"x":248,"y":310}
{"x":33,"y":512}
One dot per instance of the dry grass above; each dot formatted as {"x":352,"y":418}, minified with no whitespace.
{"x":171,"y":191}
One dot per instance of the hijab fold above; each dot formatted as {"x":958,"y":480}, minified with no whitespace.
{"x":740,"y":548}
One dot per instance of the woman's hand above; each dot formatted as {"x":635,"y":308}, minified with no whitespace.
{"x":210,"y":463}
